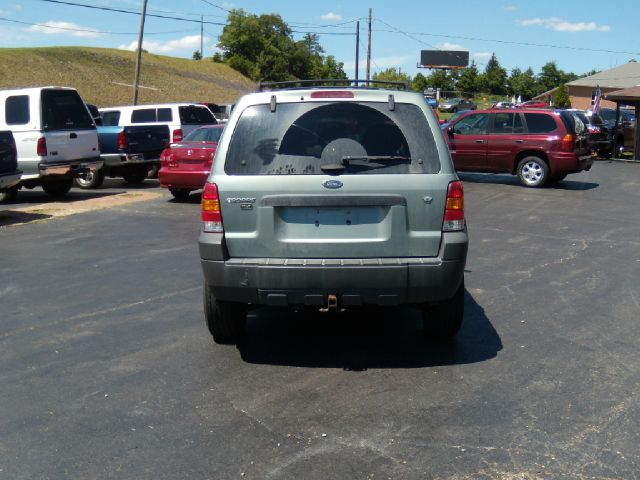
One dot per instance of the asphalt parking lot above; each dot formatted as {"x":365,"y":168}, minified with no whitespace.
{"x":108,"y":370}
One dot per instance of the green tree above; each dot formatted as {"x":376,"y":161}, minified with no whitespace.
{"x":522,"y":83}
{"x":494,"y":78}
{"x":419,"y":83}
{"x":262,"y":48}
{"x":440,"y":79}
{"x":468,"y":80}
{"x":391,"y":75}
{"x":562,"y":99}
{"x":197,"y":55}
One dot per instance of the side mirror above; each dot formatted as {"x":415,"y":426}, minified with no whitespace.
{"x":451,"y":131}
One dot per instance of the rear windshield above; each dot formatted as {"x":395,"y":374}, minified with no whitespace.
{"x":193,"y":115}
{"x":64,"y":110}
{"x":300,"y":138}
{"x":204,"y":135}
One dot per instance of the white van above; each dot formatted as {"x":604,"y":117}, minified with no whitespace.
{"x":182,"y":118}
{"x":56,"y":138}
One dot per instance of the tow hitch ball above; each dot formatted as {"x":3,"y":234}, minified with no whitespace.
{"x":332,"y":304}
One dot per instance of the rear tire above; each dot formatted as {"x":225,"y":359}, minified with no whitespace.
{"x":442,"y":321}
{"x":532,"y":171}
{"x":58,"y":188}
{"x":153,"y":171}
{"x":225,"y":320}
{"x":91,"y":179}
{"x":9,"y":195}
{"x":180,"y":194}
{"x":135,"y":173}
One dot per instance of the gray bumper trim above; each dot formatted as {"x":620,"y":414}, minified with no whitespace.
{"x":377,"y":281}
{"x":73,"y":168}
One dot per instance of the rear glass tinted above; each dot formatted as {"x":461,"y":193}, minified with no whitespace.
{"x":507,"y":123}
{"x":144,"y":115}
{"x":204,"y":135}
{"x":64,"y":110}
{"x":16,"y":110}
{"x":193,"y":115}
{"x":300,"y":138}
{"x":110,"y":118}
{"x":540,"y":123}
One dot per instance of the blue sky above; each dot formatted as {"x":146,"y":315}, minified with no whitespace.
{"x":578,"y":35}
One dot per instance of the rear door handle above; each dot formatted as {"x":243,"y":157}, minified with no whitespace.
{"x":73,"y":135}
{"x":519,"y":141}
{"x":479,"y":141}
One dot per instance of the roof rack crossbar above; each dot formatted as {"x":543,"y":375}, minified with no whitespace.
{"x":334,"y":82}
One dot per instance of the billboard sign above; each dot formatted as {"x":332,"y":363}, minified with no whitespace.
{"x":444,"y":58}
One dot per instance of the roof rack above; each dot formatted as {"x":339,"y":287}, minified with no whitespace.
{"x":330,"y":82}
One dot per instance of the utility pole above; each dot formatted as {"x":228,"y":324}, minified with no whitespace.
{"x":136,"y":81}
{"x":201,"y":37}
{"x":369,"y":51}
{"x":357,"y":49}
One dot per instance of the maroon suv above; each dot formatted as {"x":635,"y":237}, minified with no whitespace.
{"x":536,"y":145}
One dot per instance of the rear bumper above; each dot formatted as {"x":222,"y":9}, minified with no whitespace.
{"x":72,"y":168}
{"x":182,"y":179}
{"x":302,"y":282}
{"x":9,"y":179}
{"x":119,"y":159}
{"x":570,"y":162}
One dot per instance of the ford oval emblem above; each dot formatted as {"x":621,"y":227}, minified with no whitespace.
{"x":332,"y":184}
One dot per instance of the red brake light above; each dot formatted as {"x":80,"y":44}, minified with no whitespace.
{"x":210,"y":158}
{"x":332,"y":94}
{"x":177,"y":135}
{"x":454,"y":208}
{"x":123,"y":140}
{"x":568,"y":142}
{"x":211,"y":214}
{"x":41,"y":149}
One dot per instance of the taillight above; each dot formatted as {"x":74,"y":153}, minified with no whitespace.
{"x":164,"y":157}
{"x":211,"y":214}
{"x":593,"y":129}
{"x":41,"y":149}
{"x":123,"y":140}
{"x":568,"y":142}
{"x":177,"y":135}
{"x":209,"y":161}
{"x":454,"y":208}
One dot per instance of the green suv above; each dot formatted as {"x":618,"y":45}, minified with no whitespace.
{"x":332,"y":197}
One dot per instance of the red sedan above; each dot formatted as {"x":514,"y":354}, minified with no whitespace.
{"x":185,"y":166}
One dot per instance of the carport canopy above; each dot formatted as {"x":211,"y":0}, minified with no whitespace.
{"x":628,"y":96}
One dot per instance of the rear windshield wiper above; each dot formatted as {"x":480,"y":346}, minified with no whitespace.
{"x":365,"y":159}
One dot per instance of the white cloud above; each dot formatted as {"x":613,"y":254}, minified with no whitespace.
{"x":185,"y":43}
{"x":449,"y":46}
{"x":53,"y":27}
{"x":560,"y":25}
{"x":481,"y":56}
{"x":331,"y":16}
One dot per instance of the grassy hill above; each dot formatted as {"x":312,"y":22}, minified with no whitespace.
{"x":98,"y":74}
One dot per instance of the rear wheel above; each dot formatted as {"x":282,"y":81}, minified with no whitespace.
{"x":153,"y":171}
{"x":532,"y":171}
{"x":9,"y":195}
{"x":91,"y":179}
{"x":443,"y":320}
{"x":58,"y":188}
{"x":135,"y":173}
{"x":180,"y":194}
{"x":225,"y":320}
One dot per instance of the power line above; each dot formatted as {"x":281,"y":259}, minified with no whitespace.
{"x":120,"y":10}
{"x":508,"y":42}
{"x":101,"y":32}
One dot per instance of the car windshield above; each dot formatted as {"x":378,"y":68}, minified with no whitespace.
{"x":345,"y":137}
{"x":204,"y":135}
